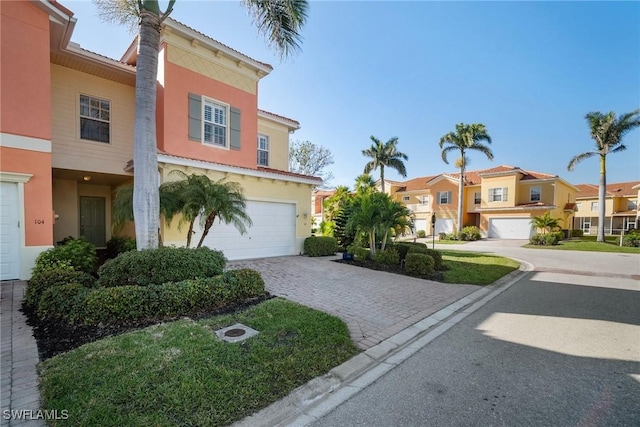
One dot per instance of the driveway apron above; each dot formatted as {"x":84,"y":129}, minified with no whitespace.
{"x":375,"y":305}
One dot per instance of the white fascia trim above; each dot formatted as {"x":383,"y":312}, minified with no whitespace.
{"x":288,"y":123}
{"x":516,"y":209}
{"x":554,"y":179}
{"x":77,"y":50}
{"x":214,"y":45}
{"x":231,"y":169}
{"x":20,"y":142}
{"x":15,"y":177}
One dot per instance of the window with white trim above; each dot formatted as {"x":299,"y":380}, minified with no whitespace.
{"x":444,"y":197}
{"x":632,"y":205}
{"x":423,"y":200}
{"x":214,"y":123}
{"x":476,"y":198}
{"x":406,"y":198}
{"x":578,"y":206}
{"x":535,"y":194}
{"x":498,"y":194}
{"x":95,"y":119}
{"x":594,"y":206}
{"x":263,"y":150}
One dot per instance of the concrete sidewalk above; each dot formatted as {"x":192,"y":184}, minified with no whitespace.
{"x":19,"y":357}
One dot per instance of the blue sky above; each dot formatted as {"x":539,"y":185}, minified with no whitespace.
{"x":529,"y":71}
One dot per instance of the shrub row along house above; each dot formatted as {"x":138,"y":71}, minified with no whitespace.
{"x":67,"y":137}
{"x":502,"y":200}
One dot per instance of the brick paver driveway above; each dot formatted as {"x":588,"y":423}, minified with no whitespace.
{"x":375,"y":305}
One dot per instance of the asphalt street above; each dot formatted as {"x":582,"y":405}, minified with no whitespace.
{"x":561,"y":347}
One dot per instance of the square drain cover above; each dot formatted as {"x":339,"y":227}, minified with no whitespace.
{"x":236,"y":333}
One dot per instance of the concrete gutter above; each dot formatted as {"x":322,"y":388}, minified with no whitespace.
{"x":309,"y":402}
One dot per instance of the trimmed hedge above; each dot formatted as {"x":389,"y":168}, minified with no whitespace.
{"x":415,"y":249}
{"x":320,"y":246}
{"x":121,"y":304}
{"x":421,"y":234}
{"x":576,"y":233}
{"x":470,"y":233}
{"x":162,"y":265}
{"x":632,"y":239}
{"x":118,"y":245}
{"x":549,"y":239}
{"x":389,"y":256}
{"x":437,"y":259}
{"x":419,"y":264}
{"x":77,"y":254}
{"x":47,"y":279}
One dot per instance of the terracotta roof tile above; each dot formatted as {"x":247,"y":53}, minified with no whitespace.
{"x":617,"y":189}
{"x":415,"y":184}
{"x":278,"y":116}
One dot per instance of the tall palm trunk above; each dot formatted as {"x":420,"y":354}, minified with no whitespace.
{"x":602,"y":197}
{"x":146,"y":199}
{"x":382,"y":177}
{"x":190,"y":232}
{"x":460,"y":194}
{"x":207,"y":226}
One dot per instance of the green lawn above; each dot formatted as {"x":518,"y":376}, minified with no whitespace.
{"x":475,"y":268}
{"x":588,"y":243}
{"x":179,"y":373}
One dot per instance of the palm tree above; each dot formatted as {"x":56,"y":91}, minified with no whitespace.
{"x":607,"y":132}
{"x":546,"y":222}
{"x":467,"y":137}
{"x":385,"y":155}
{"x":279,"y":20}
{"x":393,"y":215}
{"x":365,"y":184}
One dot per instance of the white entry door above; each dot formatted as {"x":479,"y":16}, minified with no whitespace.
{"x":9,"y":231}
{"x":273,"y":233}
{"x":510,"y":228}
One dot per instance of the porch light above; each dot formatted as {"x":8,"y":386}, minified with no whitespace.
{"x":86,"y":178}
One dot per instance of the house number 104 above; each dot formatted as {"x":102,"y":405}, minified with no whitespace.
{"x":39,"y":221}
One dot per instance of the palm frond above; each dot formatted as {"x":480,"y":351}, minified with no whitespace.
{"x":579,"y":158}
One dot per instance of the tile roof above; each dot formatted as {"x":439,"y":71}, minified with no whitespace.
{"x":278,"y":116}
{"x":415,"y":184}
{"x":617,"y":189}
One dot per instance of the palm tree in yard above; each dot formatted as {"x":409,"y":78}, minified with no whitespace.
{"x":607,"y":132}
{"x":545,"y":222}
{"x":385,"y":155}
{"x":279,"y":20}
{"x":467,"y":137}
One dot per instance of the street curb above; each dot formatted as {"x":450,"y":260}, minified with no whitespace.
{"x":307,"y":403}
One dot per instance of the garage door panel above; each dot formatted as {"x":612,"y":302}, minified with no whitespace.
{"x":420,"y":224}
{"x":9,"y":231}
{"x":444,"y":225}
{"x":272,"y":233}
{"x":510,"y":228}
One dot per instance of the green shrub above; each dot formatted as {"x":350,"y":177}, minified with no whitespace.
{"x":79,"y":254}
{"x":50,"y":278}
{"x":418,"y":249}
{"x":632,"y":239}
{"x":418,"y":264}
{"x":131,"y":303}
{"x":577,"y":233}
{"x":389,"y":256}
{"x":558,"y":236}
{"x":118,"y":245}
{"x":320,"y":246}
{"x":537,"y":239}
{"x":158,"y":266}
{"x":452,"y":236}
{"x":470,"y":233}
{"x":402,"y":248}
{"x":421,"y":233}
{"x":548,"y":239}
{"x":437,"y":259}
{"x":63,"y":302}
{"x":442,"y":236}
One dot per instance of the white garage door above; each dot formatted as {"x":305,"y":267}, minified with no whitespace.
{"x":273,"y":233}
{"x":444,"y":225}
{"x":421,"y":224}
{"x":9,"y":231}
{"x":510,"y":228}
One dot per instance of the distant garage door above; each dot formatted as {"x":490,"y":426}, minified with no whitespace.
{"x":444,"y":226}
{"x":421,"y":224}
{"x":273,"y":233}
{"x":510,"y":228}
{"x":9,"y":231}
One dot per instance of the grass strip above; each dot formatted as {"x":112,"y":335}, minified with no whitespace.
{"x":475,"y":268}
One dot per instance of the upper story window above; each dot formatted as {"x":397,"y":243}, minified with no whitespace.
{"x":594,"y":206}
{"x":476,"y":198}
{"x":406,"y":198}
{"x":578,"y":206}
{"x":632,"y":205}
{"x":263,"y":150}
{"x":444,"y":197}
{"x":498,"y":194}
{"x":215,"y":123}
{"x":535,"y":194}
{"x":423,"y":200}
{"x":95,"y":119}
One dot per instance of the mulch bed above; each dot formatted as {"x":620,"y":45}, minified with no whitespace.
{"x":371,"y":265}
{"x":54,"y":338}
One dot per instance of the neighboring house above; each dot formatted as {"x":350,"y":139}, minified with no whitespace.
{"x":67,"y":137}
{"x":500,"y":201}
{"x":621,"y":207}
{"x":317,"y":204}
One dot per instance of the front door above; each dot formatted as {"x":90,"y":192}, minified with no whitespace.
{"x":92,"y":220}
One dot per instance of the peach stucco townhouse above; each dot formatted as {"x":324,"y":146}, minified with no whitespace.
{"x":66,"y":137}
{"x":501,"y":201}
